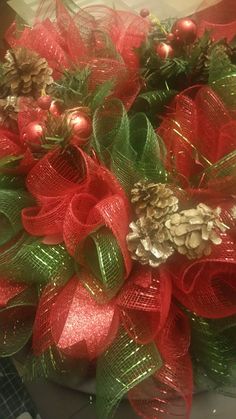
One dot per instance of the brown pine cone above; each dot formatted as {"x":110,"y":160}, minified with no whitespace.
{"x":153,"y":200}
{"x":26,"y":73}
{"x":149,"y":242}
{"x":193,"y":231}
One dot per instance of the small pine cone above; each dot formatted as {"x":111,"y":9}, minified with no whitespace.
{"x":153,"y":200}
{"x":26,"y":73}
{"x":193,"y":231}
{"x":148,"y":242}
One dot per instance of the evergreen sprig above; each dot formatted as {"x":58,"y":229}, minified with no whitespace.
{"x":74,"y":90}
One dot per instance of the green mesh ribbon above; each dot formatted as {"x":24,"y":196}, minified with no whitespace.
{"x":222,"y":75}
{"x":222,"y":174}
{"x":104,"y":260}
{"x":213,"y":347}
{"x":153,"y":102}
{"x":11,"y":181}
{"x":11,"y":204}
{"x":31,"y":261}
{"x":141,"y":157}
{"x":110,"y":126}
{"x":124,"y":365}
{"x":56,"y":366}
{"x":16,"y":322}
{"x":129,"y":147}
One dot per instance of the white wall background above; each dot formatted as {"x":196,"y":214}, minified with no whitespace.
{"x":162,"y":8}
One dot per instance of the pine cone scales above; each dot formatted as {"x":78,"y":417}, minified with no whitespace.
{"x":160,"y":229}
{"x":148,"y":242}
{"x":153,"y":200}
{"x":193,"y":231}
{"x":26,"y":73}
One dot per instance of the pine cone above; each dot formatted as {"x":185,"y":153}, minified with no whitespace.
{"x":153,"y":200}
{"x":26,"y":73}
{"x":193,"y":231}
{"x":148,"y":242}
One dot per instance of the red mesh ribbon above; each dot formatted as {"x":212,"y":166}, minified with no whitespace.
{"x":145,"y":302}
{"x":9,"y":290}
{"x":169,"y":391}
{"x":42,"y":336}
{"x":207,"y":286}
{"x":12,"y":144}
{"x":195,"y":132}
{"x":96,"y":37}
{"x":9,"y":144}
{"x":80,"y":327}
{"x":76,"y":202}
{"x":10,"y":148}
{"x":220,"y":19}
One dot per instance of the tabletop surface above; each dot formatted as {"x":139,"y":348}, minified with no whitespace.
{"x":57,"y":402}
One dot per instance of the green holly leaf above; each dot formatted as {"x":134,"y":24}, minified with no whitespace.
{"x":101,"y":93}
{"x":9,"y":161}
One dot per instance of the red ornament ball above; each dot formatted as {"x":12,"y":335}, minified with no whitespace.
{"x":185,"y":30}
{"x":80,"y":124}
{"x":56,"y":108}
{"x":33,"y":134}
{"x":170,"y":37}
{"x":165,"y":51}
{"x":144,"y":12}
{"x":44,"y":102}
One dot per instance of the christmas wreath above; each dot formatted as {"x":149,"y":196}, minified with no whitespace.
{"x":117,"y":214}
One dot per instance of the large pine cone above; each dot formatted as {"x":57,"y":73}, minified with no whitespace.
{"x":153,"y":200}
{"x":148,"y":242}
{"x":26,"y":73}
{"x":193,"y":231}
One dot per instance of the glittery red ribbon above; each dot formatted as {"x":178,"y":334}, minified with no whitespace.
{"x":72,"y":203}
{"x":82,"y":39}
{"x":198,"y":132}
{"x":219,"y":19}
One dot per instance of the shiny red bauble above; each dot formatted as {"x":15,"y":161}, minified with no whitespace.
{"x":56,"y":108}
{"x":80,"y":124}
{"x":185,"y":30}
{"x":144,"y":12}
{"x":33,"y":134}
{"x":165,"y":50}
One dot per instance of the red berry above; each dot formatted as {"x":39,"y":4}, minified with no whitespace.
{"x":144,"y":12}
{"x":56,"y":108}
{"x":186,"y":30}
{"x":165,"y":51}
{"x":33,"y":133}
{"x":44,"y":102}
{"x":80,"y":124}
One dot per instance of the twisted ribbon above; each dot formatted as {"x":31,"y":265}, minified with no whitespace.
{"x":83,"y":40}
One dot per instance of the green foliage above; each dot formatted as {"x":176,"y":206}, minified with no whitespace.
{"x":74,"y":90}
{"x":153,"y":103}
{"x":9,"y":161}
{"x":219,"y":63}
{"x":174,"y":67}
{"x":198,"y":65}
{"x":189,"y":66}
{"x":100,"y":94}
